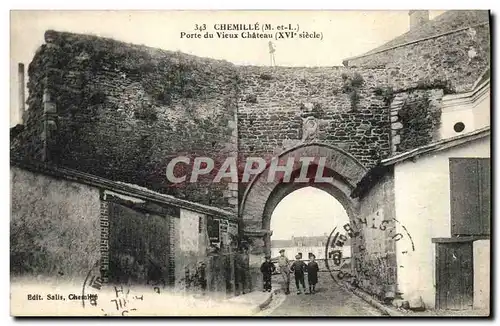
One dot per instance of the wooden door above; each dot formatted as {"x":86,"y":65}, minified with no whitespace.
{"x":454,"y":275}
{"x":470,"y":196}
{"x":139,"y":247}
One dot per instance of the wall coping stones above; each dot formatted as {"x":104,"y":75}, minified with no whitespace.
{"x":385,"y":165}
{"x":467,"y":98}
{"x":121,"y":188}
{"x":346,"y":61}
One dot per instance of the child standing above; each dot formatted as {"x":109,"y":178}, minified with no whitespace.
{"x":267,"y":269}
{"x":312,"y":274}
{"x":298,"y":268}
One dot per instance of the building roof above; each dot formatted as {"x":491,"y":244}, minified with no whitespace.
{"x":119,"y":187}
{"x":282,"y":243}
{"x":373,"y":175}
{"x":448,"y":22}
{"x":311,"y":241}
{"x":485,"y":77}
{"x":438,"y":146}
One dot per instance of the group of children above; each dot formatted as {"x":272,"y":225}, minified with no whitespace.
{"x":298,"y":268}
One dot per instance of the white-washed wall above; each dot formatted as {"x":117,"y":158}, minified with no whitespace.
{"x":472,"y":109}
{"x":422,"y":190}
{"x":189,"y":231}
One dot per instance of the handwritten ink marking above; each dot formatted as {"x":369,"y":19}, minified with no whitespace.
{"x":85,"y":282}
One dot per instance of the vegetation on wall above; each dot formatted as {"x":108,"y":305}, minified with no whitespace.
{"x":146,"y":113}
{"x":427,"y":84}
{"x":386,"y":92}
{"x":351,"y":86}
{"x":430,"y":84}
{"x":163,"y":75}
{"x":124,"y":110}
{"x":419,"y":120}
{"x":266,"y":76}
{"x":167,"y":80}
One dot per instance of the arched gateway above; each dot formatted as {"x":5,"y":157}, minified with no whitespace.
{"x":261,"y":196}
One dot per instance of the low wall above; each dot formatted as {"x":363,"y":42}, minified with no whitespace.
{"x":57,"y":234}
{"x":54,"y":227}
{"x":374,"y":249}
{"x":416,"y":268}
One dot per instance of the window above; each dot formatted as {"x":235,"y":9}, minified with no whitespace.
{"x":200,"y":224}
{"x":470,"y":196}
{"x":459,"y":127}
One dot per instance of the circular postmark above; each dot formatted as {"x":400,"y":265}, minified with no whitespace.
{"x":365,"y":254}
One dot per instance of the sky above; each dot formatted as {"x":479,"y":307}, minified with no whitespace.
{"x":307,"y":212}
{"x":345,"y":34}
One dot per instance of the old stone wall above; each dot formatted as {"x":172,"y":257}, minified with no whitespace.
{"x":282,"y":107}
{"x":29,"y":143}
{"x":415,"y":119}
{"x":123,"y":112}
{"x":422,"y":71}
{"x":452,"y":61}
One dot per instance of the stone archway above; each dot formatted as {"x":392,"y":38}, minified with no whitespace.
{"x":261,"y":196}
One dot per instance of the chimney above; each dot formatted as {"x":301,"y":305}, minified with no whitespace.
{"x":21,"y":93}
{"x":418,"y":18}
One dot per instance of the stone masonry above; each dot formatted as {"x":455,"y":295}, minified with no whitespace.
{"x":123,"y":111}
{"x":454,"y":54}
{"x":421,"y":129}
{"x":283,"y":98}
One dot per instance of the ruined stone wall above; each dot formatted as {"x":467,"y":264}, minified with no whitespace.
{"x":123,"y":111}
{"x":29,"y":144}
{"x":276,"y":103}
{"x":451,"y":61}
{"x":415,"y":119}
{"x":422,"y":72}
